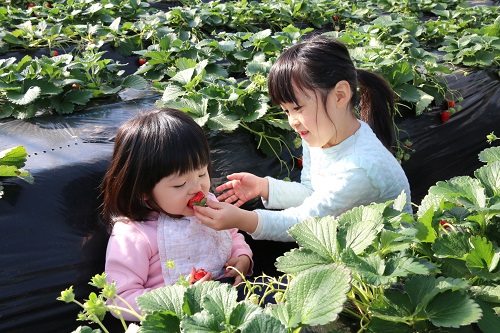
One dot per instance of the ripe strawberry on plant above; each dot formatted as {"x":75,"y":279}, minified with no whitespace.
{"x":54,"y":53}
{"x":142,"y":61}
{"x":198,"y":200}
{"x":450,"y":104}
{"x":445,"y":115}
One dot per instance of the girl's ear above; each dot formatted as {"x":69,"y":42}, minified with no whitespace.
{"x":342,"y":93}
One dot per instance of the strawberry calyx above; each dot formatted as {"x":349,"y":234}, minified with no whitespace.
{"x":198,"y":200}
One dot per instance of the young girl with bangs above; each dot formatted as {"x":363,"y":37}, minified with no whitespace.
{"x":160,"y":162}
{"x":344,"y":118}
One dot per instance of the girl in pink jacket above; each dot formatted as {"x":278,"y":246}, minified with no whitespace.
{"x":160,"y":164}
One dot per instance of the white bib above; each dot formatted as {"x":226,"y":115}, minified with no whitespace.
{"x":189,"y":243}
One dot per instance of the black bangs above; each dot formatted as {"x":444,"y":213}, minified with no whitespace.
{"x":181,"y":146}
{"x":282,"y":76}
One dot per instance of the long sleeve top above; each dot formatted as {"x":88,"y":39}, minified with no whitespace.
{"x":134,"y":263}
{"x":358,"y":171}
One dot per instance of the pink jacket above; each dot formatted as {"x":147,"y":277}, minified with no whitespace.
{"x":133,"y":261}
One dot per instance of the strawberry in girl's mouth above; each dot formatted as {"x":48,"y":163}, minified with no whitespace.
{"x":198,"y":200}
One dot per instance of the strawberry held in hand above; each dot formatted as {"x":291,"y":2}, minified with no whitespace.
{"x":198,"y":200}
{"x":200,"y":274}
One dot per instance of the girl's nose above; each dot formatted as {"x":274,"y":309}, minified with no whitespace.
{"x":293,"y":121}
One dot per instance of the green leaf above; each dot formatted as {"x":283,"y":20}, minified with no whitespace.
{"x":489,"y":175}
{"x":221,"y":301}
{"x":392,"y":306}
{"x":223,"y":122}
{"x":245,"y":313}
{"x":135,"y":82}
{"x":168,"y":298}
{"x":462,"y":190}
{"x":424,"y":101}
{"x":400,"y":202}
{"x":284,"y":313}
{"x":318,"y":235}
{"x":196,"y":293}
{"x":391,"y":241}
{"x":408,"y":92}
{"x":227,"y":46}
{"x":487,"y":293}
{"x":388,"y":326}
{"x":161,"y":321}
{"x":201,"y":322}
{"x":405,"y":266}
{"x":425,"y":230}
{"x":256,"y":108}
{"x":306,"y":293}
{"x":371,"y":267}
{"x":483,"y":259}
{"x":452,"y":309}
{"x":171,"y":92}
{"x":452,"y":245}
{"x":264,"y":323}
{"x":13,"y":157}
{"x":359,"y":227}
{"x":23,"y":99}
{"x":455,"y":268}
{"x":298,"y":260}
{"x":490,"y":155}
{"x":490,"y":321}
{"x":184,"y":76}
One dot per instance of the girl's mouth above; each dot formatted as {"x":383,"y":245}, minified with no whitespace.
{"x":303,"y":134}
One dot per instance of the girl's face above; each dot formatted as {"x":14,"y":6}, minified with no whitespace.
{"x":173,"y":192}
{"x":320,"y":127}
{"x":310,"y":120}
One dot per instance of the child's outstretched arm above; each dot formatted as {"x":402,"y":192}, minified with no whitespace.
{"x":242,"y":187}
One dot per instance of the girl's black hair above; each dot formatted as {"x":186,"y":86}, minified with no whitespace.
{"x":318,"y":64}
{"x":152,"y":145}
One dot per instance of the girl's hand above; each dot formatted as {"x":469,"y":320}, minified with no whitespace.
{"x":242,"y":264}
{"x":242,"y":187}
{"x":223,"y":216}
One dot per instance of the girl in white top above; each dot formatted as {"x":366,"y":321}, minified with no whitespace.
{"x":347,"y":161}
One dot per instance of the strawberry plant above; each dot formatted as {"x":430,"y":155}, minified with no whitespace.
{"x":12,"y":162}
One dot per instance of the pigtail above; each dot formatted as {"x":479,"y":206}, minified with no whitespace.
{"x":376,"y":105}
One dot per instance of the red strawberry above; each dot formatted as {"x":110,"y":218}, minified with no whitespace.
{"x":299,"y":162}
{"x":335,"y":18}
{"x":445,"y":115}
{"x":54,"y":53}
{"x":199,"y":274}
{"x":75,"y":86}
{"x":450,"y":104}
{"x":142,"y":61}
{"x":444,"y":223}
{"x":198,"y":200}
{"x":30,"y":5}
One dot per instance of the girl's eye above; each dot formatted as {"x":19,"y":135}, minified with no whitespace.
{"x":286,"y":112}
{"x":203,"y":175}
{"x":298,"y":108}
{"x":179,"y":186}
